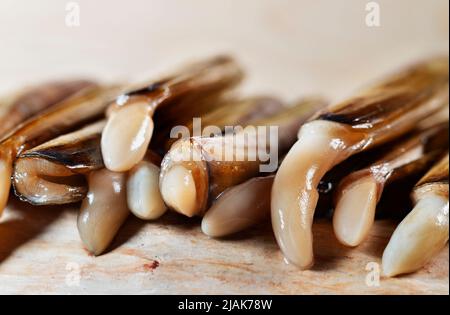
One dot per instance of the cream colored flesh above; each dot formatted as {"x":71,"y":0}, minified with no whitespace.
{"x":355,"y":211}
{"x":103,"y":211}
{"x":239,"y":207}
{"x":126,"y":136}
{"x":419,"y":237}
{"x":143,"y":195}
{"x":321,"y":145}
{"x":178,"y":190}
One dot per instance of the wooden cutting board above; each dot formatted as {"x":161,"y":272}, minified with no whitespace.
{"x":40,"y":252}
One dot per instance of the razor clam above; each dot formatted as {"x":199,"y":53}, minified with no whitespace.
{"x":130,"y":125}
{"x":103,"y":211}
{"x":196,"y":170}
{"x":359,"y":192}
{"x":382,"y":113}
{"x":85,"y":107}
{"x":35,"y":99}
{"x":143,"y":195}
{"x":239,"y":207}
{"x":53,"y":172}
{"x":424,"y":231}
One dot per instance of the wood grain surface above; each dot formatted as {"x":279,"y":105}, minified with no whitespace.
{"x":40,"y":252}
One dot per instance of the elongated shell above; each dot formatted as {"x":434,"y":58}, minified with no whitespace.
{"x":420,"y":90}
{"x":67,"y":116}
{"x":240,"y":112}
{"x":36,"y":99}
{"x":436,"y":180}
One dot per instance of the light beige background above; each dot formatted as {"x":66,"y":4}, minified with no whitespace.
{"x":289,"y":47}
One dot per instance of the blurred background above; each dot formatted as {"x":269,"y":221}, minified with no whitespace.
{"x":288,"y":47}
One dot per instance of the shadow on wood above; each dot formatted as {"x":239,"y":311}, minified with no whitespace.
{"x":21,"y":223}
